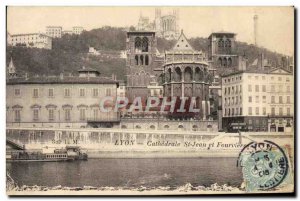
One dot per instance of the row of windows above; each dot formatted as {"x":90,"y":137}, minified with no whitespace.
{"x":233,"y":90}
{"x":257,"y":77}
{"x":264,"y":99}
{"x":280,"y":111}
{"x":67,"y":92}
{"x":280,"y":88}
{"x":28,"y":38}
{"x":233,"y":111}
{"x":256,"y":111}
{"x":232,"y":101}
{"x":56,"y":156}
{"x":233,"y":79}
{"x":280,"y":99}
{"x":257,"y":88}
{"x":66,"y":114}
{"x":264,"y":89}
{"x":141,"y":60}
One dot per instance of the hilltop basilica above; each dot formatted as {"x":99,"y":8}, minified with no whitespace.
{"x":165,"y":26}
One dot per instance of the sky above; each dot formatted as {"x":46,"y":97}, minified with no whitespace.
{"x":275,"y":24}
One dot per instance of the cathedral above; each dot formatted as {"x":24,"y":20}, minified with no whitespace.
{"x":165,"y":26}
{"x":182,"y":72}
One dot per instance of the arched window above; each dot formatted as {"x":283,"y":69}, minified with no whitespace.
{"x":152,"y":127}
{"x":170,"y":75}
{"x":166,"y":127}
{"x":205,"y":75}
{"x":146,"y":60}
{"x":136,"y":80}
{"x":195,"y":127}
{"x":228,"y":42}
{"x":147,"y":79}
{"x":197,"y":74}
{"x":224,"y":62}
{"x":220,"y":62}
{"x":138,"y":127}
{"x":229,"y":62}
{"x":178,"y":75}
{"x":136,"y":60}
{"x":145,"y":44}
{"x":123,"y":126}
{"x":220,"y":43}
{"x":142,"y":60}
{"x":188,"y":76}
{"x":137,"y":44}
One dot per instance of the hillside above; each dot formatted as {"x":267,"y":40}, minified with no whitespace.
{"x":69,"y":53}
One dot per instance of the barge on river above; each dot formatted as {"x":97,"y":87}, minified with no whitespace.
{"x":69,"y":153}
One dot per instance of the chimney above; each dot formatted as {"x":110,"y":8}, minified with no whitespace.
{"x":260,"y":62}
{"x":61,"y":76}
{"x":242,"y":63}
{"x":26,"y":76}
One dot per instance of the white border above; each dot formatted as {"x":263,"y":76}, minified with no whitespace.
{"x":3,"y":4}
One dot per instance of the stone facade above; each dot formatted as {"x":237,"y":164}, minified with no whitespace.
{"x":187,"y":74}
{"x":140,"y":63}
{"x":222,"y":51}
{"x":263,"y":99}
{"x":33,"y":40}
{"x":58,"y":101}
{"x":54,"y":31}
{"x":166,"y":124}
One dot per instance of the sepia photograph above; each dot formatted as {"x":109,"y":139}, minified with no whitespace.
{"x":150,"y":100}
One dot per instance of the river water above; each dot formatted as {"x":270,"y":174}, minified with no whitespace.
{"x":129,"y":173}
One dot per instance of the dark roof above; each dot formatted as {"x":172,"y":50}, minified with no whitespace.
{"x":59,"y":80}
{"x":140,"y":33}
{"x":28,"y":34}
{"x":221,"y":33}
{"x":265,"y":70}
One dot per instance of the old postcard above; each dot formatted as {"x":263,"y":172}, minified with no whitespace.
{"x":149,"y":100}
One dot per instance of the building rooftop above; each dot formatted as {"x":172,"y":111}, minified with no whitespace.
{"x":141,"y":31}
{"x":182,"y":44}
{"x":221,"y":33}
{"x":258,"y":70}
{"x":53,"y":26}
{"x":27,"y":34}
{"x":60,"y":80}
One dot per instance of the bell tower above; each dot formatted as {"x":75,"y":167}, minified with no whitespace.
{"x":11,"y":69}
{"x":141,"y":49}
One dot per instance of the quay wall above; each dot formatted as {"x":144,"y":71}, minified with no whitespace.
{"x":128,"y":123}
{"x":133,"y":143}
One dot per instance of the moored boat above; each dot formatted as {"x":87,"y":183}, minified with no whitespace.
{"x":69,"y":153}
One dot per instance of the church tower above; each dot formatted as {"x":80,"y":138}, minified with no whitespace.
{"x":140,"y":63}
{"x":158,"y":28}
{"x":11,"y":70}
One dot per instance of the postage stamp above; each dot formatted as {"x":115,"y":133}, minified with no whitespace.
{"x":264,"y":164}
